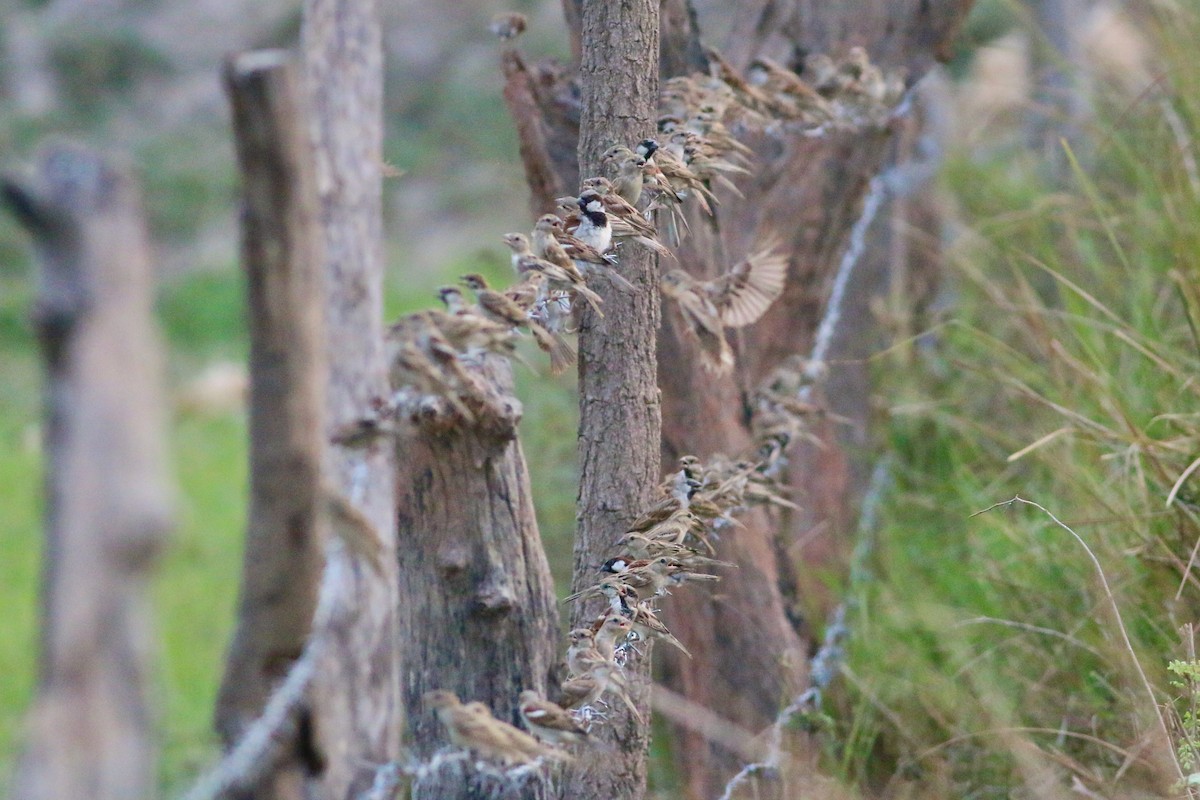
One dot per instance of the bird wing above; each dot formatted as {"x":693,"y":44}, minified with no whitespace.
{"x":744,"y":293}
{"x":549,"y":715}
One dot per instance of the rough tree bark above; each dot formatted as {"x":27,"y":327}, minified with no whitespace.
{"x":285,"y":536}
{"x":477,"y":610}
{"x":750,"y":639}
{"x":109,"y":497}
{"x":356,"y":697}
{"x":619,"y":412}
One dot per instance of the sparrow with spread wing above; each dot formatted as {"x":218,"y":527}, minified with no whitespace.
{"x":736,"y":299}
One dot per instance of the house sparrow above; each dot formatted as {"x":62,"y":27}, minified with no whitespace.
{"x":628,"y":183}
{"x":501,"y":308}
{"x":473,"y":727}
{"x":410,"y":366}
{"x":735,"y":299}
{"x":549,"y":721}
{"x":750,"y":96}
{"x":821,"y":73}
{"x":468,"y":330}
{"x":582,"y":654}
{"x":508,"y":25}
{"x":593,"y":228}
{"x":627,"y":223}
{"x":777,"y":78}
{"x":658,"y":574}
{"x":551,"y":242}
{"x":610,"y":631}
{"x":582,"y":690}
{"x":647,"y":547}
{"x":525,"y":261}
{"x":682,"y":181}
{"x":647,"y":625}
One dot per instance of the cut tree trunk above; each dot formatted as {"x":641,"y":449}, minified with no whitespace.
{"x":477,"y":611}
{"x":356,"y":705}
{"x":109,"y":497}
{"x":285,"y":536}
{"x":751,"y":637}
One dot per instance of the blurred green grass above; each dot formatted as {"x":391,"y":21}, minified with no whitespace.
{"x":986,"y":660}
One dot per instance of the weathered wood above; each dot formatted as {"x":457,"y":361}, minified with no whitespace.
{"x":477,"y":611}
{"x":619,"y":413}
{"x":285,"y":536}
{"x":520,"y":96}
{"x":356,"y":701}
{"x":109,"y":495}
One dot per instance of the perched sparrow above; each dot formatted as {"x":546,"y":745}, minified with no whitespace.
{"x":582,"y":655}
{"x":468,"y":330}
{"x":582,"y":690}
{"x":628,"y":183}
{"x":593,"y":228}
{"x":821,"y":73}
{"x":737,"y":298}
{"x":508,"y":25}
{"x":549,"y":721}
{"x":544,"y":244}
{"x":525,"y":261}
{"x":647,"y":625}
{"x":749,"y":96}
{"x":621,"y":596}
{"x":552,"y":243}
{"x":775,"y":77}
{"x":626,"y":221}
{"x":658,"y":574}
{"x":648,"y":547}
{"x":412,"y":367}
{"x":680,"y":178}
{"x":501,"y":308}
{"x":474,"y":728}
{"x":611,"y":631}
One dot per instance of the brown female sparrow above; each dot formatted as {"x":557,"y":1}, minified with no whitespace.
{"x":735,"y":299}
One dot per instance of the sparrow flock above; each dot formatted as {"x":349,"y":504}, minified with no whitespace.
{"x":435,"y":355}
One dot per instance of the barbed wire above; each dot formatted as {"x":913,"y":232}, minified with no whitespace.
{"x":897,"y":180}
{"x":249,"y":759}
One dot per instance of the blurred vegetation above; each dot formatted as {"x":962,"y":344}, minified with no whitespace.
{"x":987,"y":660}
{"x":984,"y":651}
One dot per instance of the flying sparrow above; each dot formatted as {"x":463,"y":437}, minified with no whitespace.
{"x":735,"y":299}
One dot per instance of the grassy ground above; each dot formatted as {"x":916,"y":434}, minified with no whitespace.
{"x":1002,"y":654}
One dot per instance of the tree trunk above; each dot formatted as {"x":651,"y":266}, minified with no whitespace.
{"x":108,"y":507}
{"x":356,"y":706}
{"x":477,"y":610}
{"x":750,"y":638}
{"x":285,"y":535}
{"x":619,"y":412}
